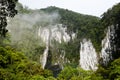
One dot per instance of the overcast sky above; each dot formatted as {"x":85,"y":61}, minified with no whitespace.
{"x":91,"y":7}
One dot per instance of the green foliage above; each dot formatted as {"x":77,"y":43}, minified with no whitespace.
{"x":9,"y":56}
{"x":112,"y":18}
{"x":101,"y":73}
{"x":85,"y":26}
{"x":29,"y":44}
{"x":71,"y":51}
{"x":15,"y":66}
{"x":69,"y":73}
{"x":81,"y":24}
{"x":115,"y":70}
{"x":111,"y":72}
{"x":96,"y":77}
{"x":38,"y":77}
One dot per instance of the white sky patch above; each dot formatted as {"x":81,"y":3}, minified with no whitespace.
{"x":91,"y":7}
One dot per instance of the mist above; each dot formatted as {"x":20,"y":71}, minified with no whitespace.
{"x":24,"y":31}
{"x":28,"y":24}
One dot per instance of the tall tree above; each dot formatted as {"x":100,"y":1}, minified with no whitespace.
{"x":7,"y":9}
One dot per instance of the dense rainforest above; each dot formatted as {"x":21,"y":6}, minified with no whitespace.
{"x":80,"y":24}
{"x":20,"y":60}
{"x":77,"y":23}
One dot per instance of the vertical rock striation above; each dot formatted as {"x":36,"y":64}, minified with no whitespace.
{"x":88,"y":56}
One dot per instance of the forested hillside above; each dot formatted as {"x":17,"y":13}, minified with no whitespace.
{"x":83,"y":26}
{"x":80,"y":24}
{"x":45,"y":44}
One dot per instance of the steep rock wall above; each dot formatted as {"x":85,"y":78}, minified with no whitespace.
{"x":88,"y":55}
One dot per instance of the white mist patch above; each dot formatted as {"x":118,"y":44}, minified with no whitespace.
{"x":23,"y":24}
{"x":88,"y":56}
{"x":106,"y":46}
{"x":40,"y":18}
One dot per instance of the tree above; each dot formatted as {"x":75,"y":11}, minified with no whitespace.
{"x":7,"y":9}
{"x":115,"y":70}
